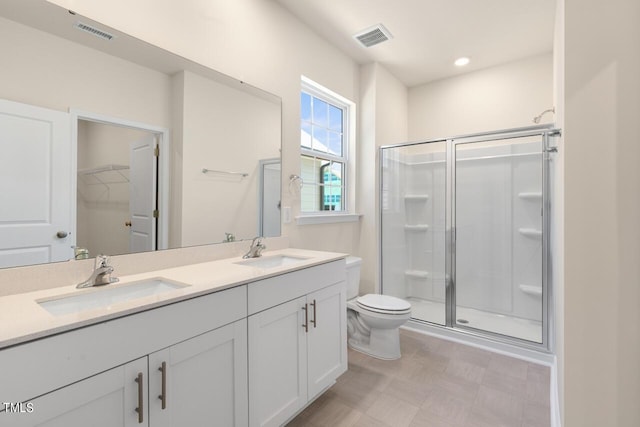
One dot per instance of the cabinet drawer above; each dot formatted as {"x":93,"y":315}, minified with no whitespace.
{"x":37,"y":367}
{"x":270,"y":292}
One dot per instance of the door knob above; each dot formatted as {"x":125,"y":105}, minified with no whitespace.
{"x":127,"y":223}
{"x":61,"y":234}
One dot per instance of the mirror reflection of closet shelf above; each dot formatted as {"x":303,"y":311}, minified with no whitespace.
{"x":105,"y":177}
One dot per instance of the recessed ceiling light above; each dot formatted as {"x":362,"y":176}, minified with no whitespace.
{"x":461,"y":62}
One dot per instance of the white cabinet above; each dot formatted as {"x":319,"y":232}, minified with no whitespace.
{"x":254,"y":354}
{"x":277,"y":363}
{"x":201,"y":381}
{"x":327,"y":339}
{"x":296,"y":350}
{"x":109,"y":399}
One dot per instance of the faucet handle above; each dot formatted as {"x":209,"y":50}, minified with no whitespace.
{"x":102,"y":261}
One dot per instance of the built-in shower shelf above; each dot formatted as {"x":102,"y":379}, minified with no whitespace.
{"x":531,"y":290}
{"x":530,"y":196}
{"x":416,"y":227}
{"x":417,"y":274}
{"x":530,"y":232}
{"x":416,"y":197}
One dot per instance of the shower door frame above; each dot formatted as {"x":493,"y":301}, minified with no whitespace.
{"x":545,"y":132}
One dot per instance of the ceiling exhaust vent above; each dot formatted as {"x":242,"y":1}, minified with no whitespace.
{"x":373,"y":35}
{"x":93,"y":30}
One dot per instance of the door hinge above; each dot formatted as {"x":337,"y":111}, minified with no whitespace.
{"x":156,"y":151}
{"x":156,"y":214}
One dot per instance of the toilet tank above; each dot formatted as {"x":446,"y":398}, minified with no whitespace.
{"x":353,"y":276}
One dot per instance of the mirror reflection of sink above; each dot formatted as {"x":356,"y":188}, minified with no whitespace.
{"x":272,"y":261}
{"x":105,"y":296}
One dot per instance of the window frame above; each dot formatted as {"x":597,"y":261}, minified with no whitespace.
{"x":315,"y":90}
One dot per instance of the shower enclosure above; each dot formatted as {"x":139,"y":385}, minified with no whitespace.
{"x":465,"y":231}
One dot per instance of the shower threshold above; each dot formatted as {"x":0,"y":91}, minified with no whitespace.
{"x":434,"y":312}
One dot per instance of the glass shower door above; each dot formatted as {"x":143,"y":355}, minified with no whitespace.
{"x":498,"y":223}
{"x":413,"y":209}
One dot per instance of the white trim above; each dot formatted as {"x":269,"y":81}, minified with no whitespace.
{"x":348,"y":132}
{"x":326,"y":218}
{"x":163,"y":166}
{"x":554,"y":397}
{"x":321,"y":91}
{"x":529,"y":355}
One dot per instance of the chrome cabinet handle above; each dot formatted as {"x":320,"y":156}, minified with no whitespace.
{"x":314,"y":313}
{"x":163,"y":396}
{"x":305,"y":325}
{"x":140,"y":408}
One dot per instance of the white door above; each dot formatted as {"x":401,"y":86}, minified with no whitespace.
{"x":205,"y":380}
{"x":327,"y":338}
{"x":109,"y":399}
{"x":277,"y":364}
{"x":35,"y":184}
{"x":142,"y":189}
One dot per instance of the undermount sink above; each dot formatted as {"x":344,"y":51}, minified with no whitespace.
{"x":272,"y":261}
{"x":103,"y":297}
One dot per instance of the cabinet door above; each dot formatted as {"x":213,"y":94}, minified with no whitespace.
{"x":205,"y":380}
{"x":277,"y":363}
{"x":109,"y":399}
{"x":327,"y":337}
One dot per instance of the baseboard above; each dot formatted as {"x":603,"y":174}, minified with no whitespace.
{"x":533,"y":356}
{"x":554,"y":397}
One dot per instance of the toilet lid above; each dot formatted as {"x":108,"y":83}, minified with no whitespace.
{"x":383,"y":303}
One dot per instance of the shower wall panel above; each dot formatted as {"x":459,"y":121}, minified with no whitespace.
{"x":499,"y":228}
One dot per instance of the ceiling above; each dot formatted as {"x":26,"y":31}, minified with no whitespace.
{"x":428,"y":35}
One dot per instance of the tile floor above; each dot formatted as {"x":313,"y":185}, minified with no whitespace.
{"x":436,"y":383}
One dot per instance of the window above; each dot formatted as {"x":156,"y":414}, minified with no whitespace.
{"x":324,"y":147}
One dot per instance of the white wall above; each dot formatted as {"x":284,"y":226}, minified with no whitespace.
{"x":501,"y":97}
{"x":601,"y":355}
{"x":383,"y":121}
{"x":557,"y":219}
{"x":260,"y":43}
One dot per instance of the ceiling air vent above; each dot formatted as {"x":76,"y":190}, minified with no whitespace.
{"x":93,"y":30}
{"x":373,"y":35}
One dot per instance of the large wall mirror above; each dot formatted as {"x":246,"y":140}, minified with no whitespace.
{"x":111,"y":145}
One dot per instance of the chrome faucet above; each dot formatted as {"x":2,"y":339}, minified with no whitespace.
{"x":101,"y":274}
{"x":256,"y":248}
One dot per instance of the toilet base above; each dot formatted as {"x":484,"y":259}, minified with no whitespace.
{"x":383,"y":344}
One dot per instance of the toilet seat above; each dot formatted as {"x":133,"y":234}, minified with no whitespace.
{"x":383,"y":304}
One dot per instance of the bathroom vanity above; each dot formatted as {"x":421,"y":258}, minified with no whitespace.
{"x":239,"y":342}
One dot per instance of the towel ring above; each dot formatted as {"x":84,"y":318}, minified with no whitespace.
{"x":293,"y":178}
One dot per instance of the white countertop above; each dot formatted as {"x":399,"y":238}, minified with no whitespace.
{"x":22,"y":319}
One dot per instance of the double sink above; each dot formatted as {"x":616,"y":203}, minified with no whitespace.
{"x":104,"y":297}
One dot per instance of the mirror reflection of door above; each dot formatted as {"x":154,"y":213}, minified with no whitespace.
{"x":117,"y":182}
{"x":269,"y":195}
{"x":35,"y":164}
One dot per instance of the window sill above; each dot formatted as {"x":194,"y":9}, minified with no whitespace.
{"x":326,"y":218}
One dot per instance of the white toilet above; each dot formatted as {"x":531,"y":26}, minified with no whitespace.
{"x":373,"y":320}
